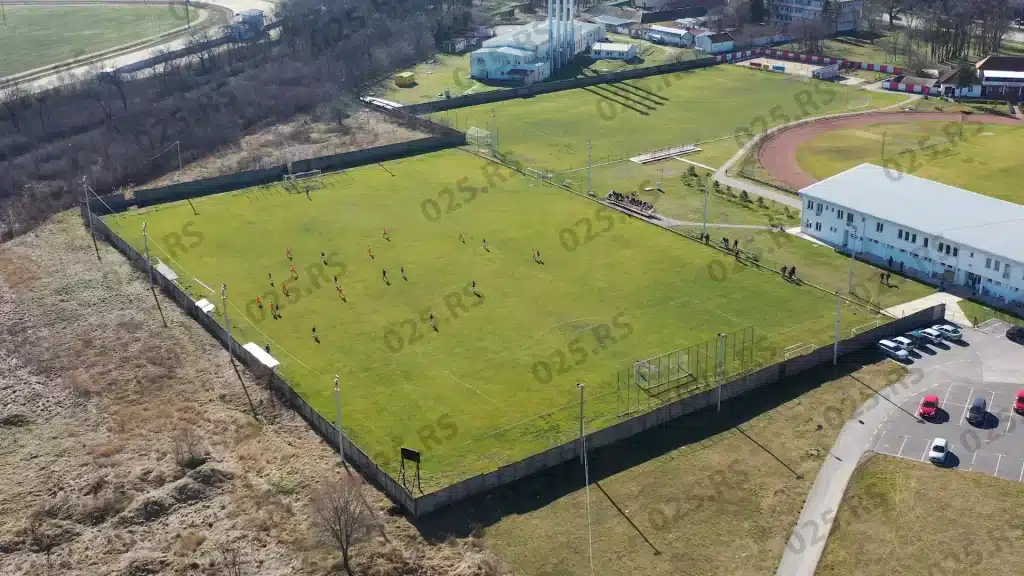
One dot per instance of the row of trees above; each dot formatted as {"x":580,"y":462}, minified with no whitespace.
{"x":110,"y":131}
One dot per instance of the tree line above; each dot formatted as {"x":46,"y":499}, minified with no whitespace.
{"x":109,"y":132}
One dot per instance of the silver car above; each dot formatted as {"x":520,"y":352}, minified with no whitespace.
{"x":949,"y":332}
{"x":939,"y":451}
{"x":892,"y":350}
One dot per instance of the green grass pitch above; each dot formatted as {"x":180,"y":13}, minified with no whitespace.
{"x":497,"y":381}
{"x":986,"y":160}
{"x":35,"y":36}
{"x":551,"y":131}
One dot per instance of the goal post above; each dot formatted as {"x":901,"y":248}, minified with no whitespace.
{"x":298,"y":182}
{"x":478,"y":137}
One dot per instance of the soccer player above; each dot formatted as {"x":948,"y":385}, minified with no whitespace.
{"x":271,"y":278}
{"x":370,"y":252}
{"x":273,"y":311}
{"x":288,"y":253}
{"x":335,"y":282}
{"x":315,"y":339}
{"x":294,"y":274}
{"x":307,"y":192}
{"x":386,"y":235}
{"x":284,"y":288}
{"x":384,"y":275}
{"x":259,"y":303}
{"x":461,"y":239}
{"x":433,"y":322}
{"x":323,"y":258}
{"x":485,"y":245}
{"x":402,"y":270}
{"x":341,"y":293}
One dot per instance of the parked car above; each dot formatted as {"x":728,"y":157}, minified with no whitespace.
{"x":933,"y":335}
{"x":892,"y":350}
{"x":904,"y":343}
{"x":929,"y":407}
{"x":939,"y":452}
{"x":1018,"y":403}
{"x":1016,"y":333}
{"x":949,"y":332}
{"x":978,"y":411}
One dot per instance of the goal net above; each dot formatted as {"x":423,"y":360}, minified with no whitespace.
{"x":478,"y":137}
{"x":302,"y":181}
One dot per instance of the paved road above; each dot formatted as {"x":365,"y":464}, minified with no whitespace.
{"x":987,"y":365}
{"x":117,"y":61}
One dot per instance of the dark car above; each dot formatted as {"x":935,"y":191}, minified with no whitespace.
{"x":978,"y":411}
{"x":1016,"y":333}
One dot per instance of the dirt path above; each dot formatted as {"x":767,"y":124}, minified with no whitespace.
{"x":778,"y":151}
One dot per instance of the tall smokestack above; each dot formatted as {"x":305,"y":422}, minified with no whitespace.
{"x":551,"y":36}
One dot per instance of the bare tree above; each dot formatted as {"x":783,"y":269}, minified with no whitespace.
{"x":342,"y":516}
{"x":189,"y":452}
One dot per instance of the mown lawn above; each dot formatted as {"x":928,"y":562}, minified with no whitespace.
{"x":35,"y":36}
{"x":982,"y":158}
{"x":501,"y":370}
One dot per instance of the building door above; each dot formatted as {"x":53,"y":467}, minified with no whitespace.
{"x":846,"y":237}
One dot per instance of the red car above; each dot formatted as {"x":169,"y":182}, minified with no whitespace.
{"x":930,"y":406}
{"x":1018,"y":404}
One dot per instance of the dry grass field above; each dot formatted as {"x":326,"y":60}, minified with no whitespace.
{"x":94,"y":391}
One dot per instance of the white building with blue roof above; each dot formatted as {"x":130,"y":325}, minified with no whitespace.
{"x":522,"y":56}
{"x":942,"y":234}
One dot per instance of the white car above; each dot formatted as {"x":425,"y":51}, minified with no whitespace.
{"x":939,"y":452}
{"x":904,"y":343}
{"x":932,"y":334}
{"x":948,"y":332}
{"x":892,"y":350}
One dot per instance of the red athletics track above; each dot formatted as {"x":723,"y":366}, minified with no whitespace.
{"x":778,"y":152}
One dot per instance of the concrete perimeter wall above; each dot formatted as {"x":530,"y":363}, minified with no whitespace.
{"x":113,"y":203}
{"x":752,"y":381}
{"x":354,"y":456}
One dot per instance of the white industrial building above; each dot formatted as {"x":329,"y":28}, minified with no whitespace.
{"x":535,"y":51}
{"x":793,"y":11}
{"x":665,"y":35}
{"x":714,"y":43}
{"x":613,"y":51}
{"x":938,"y":233}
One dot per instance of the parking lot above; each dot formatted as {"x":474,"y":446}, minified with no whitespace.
{"x":986,"y":365}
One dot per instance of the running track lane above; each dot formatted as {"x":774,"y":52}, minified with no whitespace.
{"x":778,"y":153}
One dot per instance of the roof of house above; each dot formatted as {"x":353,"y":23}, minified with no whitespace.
{"x":533,"y":36}
{"x":997,"y":74}
{"x":697,"y":31}
{"x":612,"y":20}
{"x":720,"y":37}
{"x":1002,"y":63}
{"x":612,"y":46}
{"x":958,"y":215}
{"x":667,"y":30}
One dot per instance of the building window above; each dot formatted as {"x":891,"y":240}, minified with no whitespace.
{"x":840,"y":215}
{"x":849,"y":217}
{"x":807,"y":224}
{"x":817,"y":227}
{"x":996,"y":267}
{"x":988,"y":263}
{"x":925,"y":242}
{"x":1006,"y":271}
{"x":913,"y":238}
{"x":899,"y":234}
{"x":947,"y":253}
{"x":878,"y":227}
{"x":956,"y":251}
{"x":940,"y":246}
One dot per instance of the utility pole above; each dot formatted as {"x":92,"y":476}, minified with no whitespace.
{"x":853,"y":252}
{"x":88,"y":209}
{"x":231,"y":355}
{"x":583,"y":451}
{"x":706,"y":208}
{"x":145,"y":245}
{"x":835,"y":346}
{"x":590,"y":165}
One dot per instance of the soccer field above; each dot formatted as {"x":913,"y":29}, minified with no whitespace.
{"x":985,"y":160}
{"x":496,"y":381}
{"x":551,"y":131}
{"x":35,"y":36}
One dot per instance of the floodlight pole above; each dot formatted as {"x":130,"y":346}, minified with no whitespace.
{"x":586,"y":477}
{"x":853,"y":254}
{"x":231,"y":355}
{"x":337,"y":402}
